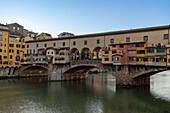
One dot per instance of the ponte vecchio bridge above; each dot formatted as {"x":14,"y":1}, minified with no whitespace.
{"x":68,"y":58}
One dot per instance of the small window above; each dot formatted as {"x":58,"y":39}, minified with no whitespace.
{"x":34,"y":51}
{"x":37,"y":45}
{"x":106,"y":59}
{"x":23,"y":46}
{"x":18,"y":52}
{"x":4,"y":51}
{"x":0,"y":33}
{"x":145,"y":38}
{"x":18,"y":28}
{"x":113,"y":52}
{"x":54,"y":44}
{"x":27,"y":46}
{"x":106,"y":52}
{"x":166,"y":36}
{"x":17,"y":58}
{"x":51,"y":52}
{"x":45,"y":45}
{"x":85,"y":42}
{"x":5,"y":27}
{"x":0,"y":38}
{"x":63,"y":43}
{"x":17,"y":45}
{"x":13,"y":28}
{"x":10,"y":56}
{"x":112,"y":40}
{"x":11,"y":39}
{"x":74,"y":43}
{"x":128,"y":39}
{"x":5,"y":57}
{"x":11,"y":51}
{"x":11,"y":45}
{"x":113,"y":45}
{"x":98,"y":41}
{"x":121,"y":46}
{"x":0,"y":44}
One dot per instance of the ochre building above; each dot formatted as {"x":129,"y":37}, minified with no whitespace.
{"x":11,"y":48}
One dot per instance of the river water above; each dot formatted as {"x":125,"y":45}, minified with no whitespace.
{"x":97,"y":94}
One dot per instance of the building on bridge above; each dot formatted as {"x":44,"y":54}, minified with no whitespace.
{"x":136,"y":53}
{"x":124,"y":53}
{"x":58,"y":55}
{"x":89,"y":46}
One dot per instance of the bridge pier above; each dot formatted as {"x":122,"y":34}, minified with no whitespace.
{"x":123,"y":76}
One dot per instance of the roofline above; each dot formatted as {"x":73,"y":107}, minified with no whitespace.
{"x":15,"y":23}
{"x":107,"y":33}
{"x":3,"y":25}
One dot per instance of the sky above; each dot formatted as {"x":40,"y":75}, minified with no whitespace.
{"x":84,"y":16}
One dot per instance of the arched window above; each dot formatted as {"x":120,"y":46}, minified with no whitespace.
{"x":62,"y":53}
{"x":17,"y":58}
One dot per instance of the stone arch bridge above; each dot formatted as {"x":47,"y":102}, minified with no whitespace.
{"x":77,"y":69}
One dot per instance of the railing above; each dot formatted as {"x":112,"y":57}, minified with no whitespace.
{"x":85,"y":61}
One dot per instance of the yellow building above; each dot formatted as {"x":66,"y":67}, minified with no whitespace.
{"x":11,"y":49}
{"x":107,"y":54}
{"x":140,"y":57}
{"x":58,"y":55}
{"x":168,"y":54}
{"x":4,"y":33}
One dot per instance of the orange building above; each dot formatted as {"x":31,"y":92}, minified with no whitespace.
{"x":123,"y":53}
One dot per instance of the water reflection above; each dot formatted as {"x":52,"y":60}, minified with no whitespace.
{"x":160,"y":85}
{"x":97,"y":94}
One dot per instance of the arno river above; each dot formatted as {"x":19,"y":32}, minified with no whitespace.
{"x":97,"y":94}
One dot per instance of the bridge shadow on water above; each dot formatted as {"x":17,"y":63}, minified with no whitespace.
{"x":98,"y":93}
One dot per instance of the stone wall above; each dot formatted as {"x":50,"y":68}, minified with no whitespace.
{"x":9,"y":72}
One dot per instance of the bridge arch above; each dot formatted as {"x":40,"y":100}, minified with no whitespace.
{"x":97,"y":53}
{"x":34,"y":71}
{"x":74,"y":54}
{"x":143,"y":77}
{"x":77,"y":72}
{"x":80,"y":69}
{"x":86,"y":54}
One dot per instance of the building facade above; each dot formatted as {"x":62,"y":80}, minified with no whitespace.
{"x":88,"y":47}
{"x":11,"y":48}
